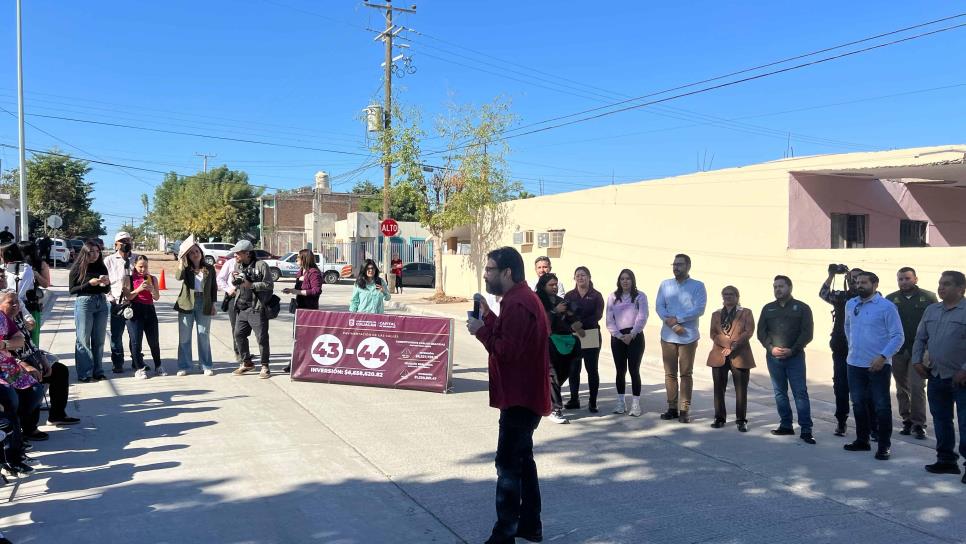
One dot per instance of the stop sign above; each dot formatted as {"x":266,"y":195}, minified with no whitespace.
{"x":389,"y":227}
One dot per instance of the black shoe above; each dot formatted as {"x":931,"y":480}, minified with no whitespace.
{"x":15,"y":469}
{"x":840,"y":429}
{"x":117,"y":370}
{"x":718,"y":423}
{"x":530,"y":535}
{"x":499,"y":540}
{"x":592,"y":407}
{"x":287,"y":368}
{"x":906,"y":428}
{"x":783,"y":431}
{"x":807,"y":438}
{"x":684,"y":417}
{"x":27,"y":446}
{"x":943,"y":468}
{"x":65,"y":420}
{"x":99,"y":378}
{"x":572,"y":404}
{"x":85,"y":380}
{"x":883,"y":454}
{"x":742,"y":427}
{"x":857,"y":446}
{"x":919,"y":432}
{"x":671,"y":413}
{"x":36,"y":436}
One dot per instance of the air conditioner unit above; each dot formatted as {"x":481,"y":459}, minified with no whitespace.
{"x":556,"y":238}
{"x":543,"y":239}
{"x":523,"y":237}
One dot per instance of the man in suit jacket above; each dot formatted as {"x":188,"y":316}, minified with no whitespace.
{"x":731,"y":329}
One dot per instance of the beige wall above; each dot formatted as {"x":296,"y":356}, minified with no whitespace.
{"x":733,"y":223}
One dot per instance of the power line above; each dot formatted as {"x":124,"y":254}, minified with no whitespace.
{"x":694,"y":92}
{"x":199,"y":135}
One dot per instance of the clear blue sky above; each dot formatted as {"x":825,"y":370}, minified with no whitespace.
{"x":298,"y":73}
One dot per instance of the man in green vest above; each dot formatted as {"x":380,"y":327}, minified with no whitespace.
{"x":911,"y":301}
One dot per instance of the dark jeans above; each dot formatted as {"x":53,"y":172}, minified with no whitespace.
{"x":248,"y":321}
{"x":30,"y":400}
{"x":517,"y":486}
{"x":59,"y":382}
{"x":628,"y":357}
{"x":13,"y":447}
{"x":840,"y":383}
{"x":785,"y":372}
{"x":144,"y":323}
{"x":118,"y":324}
{"x":740,"y":377}
{"x":943,"y":394}
{"x":590,"y":358}
{"x":863,"y":386}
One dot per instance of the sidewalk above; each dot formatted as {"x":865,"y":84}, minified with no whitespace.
{"x":229,"y":459}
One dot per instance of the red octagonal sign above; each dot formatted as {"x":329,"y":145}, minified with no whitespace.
{"x":389,"y":227}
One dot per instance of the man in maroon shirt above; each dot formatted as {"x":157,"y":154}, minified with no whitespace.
{"x":519,"y":368}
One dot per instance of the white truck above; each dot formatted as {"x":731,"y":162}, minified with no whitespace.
{"x":287,"y":267}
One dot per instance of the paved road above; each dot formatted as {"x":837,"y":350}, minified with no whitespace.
{"x":228,"y":459}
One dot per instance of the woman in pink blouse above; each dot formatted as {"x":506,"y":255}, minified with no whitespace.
{"x":626,"y":317}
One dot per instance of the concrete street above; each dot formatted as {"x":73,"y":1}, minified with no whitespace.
{"x":229,"y":459}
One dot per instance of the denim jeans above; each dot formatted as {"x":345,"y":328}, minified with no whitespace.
{"x":13,"y":446}
{"x":840,"y":383}
{"x":942,"y":395}
{"x":30,"y":400}
{"x":90,"y":325}
{"x":863,"y":386}
{"x":785,"y":372}
{"x":202,"y":322}
{"x":144,"y":324}
{"x":517,"y":487}
{"x":118,"y":325}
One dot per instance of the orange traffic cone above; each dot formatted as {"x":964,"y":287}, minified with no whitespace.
{"x":161,"y":285}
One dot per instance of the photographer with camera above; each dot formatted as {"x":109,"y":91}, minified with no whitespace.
{"x":838,"y":343}
{"x":254,"y":286}
{"x":195,"y":305}
{"x":119,"y":272}
{"x":564,"y":345}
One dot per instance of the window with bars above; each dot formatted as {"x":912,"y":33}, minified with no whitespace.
{"x":849,"y":231}
{"x":912,"y":233}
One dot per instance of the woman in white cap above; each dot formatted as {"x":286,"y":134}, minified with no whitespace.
{"x":195,"y":305}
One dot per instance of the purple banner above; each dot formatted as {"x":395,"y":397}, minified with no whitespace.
{"x":381,"y":350}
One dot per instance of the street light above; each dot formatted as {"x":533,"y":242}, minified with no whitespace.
{"x":24,"y":223}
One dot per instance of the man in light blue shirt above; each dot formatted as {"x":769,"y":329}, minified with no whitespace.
{"x":680,"y":302}
{"x":874,"y":332}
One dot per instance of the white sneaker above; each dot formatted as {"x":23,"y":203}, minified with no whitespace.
{"x":140,"y":374}
{"x":182,"y":373}
{"x":209,"y":372}
{"x":620,"y":408}
{"x":160,"y":371}
{"x":557,"y":417}
{"x":635,"y":409}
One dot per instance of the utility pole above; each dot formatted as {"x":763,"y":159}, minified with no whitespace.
{"x":387,"y":36}
{"x":206,"y":156}
{"x":24,"y":219}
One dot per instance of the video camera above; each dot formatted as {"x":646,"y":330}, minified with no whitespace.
{"x":838,"y":269}
{"x":243,"y":274}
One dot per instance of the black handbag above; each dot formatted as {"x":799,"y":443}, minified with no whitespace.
{"x":292,"y":306}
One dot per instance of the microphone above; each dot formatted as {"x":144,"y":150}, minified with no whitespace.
{"x":476,"y":306}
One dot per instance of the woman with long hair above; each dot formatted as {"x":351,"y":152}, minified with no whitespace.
{"x":144,"y":323}
{"x":33,"y":293}
{"x":195,"y":305}
{"x":564,"y":346}
{"x":731,"y":329}
{"x":308,"y":285}
{"x":588,"y":306}
{"x":88,"y":281}
{"x":370,"y":292}
{"x":626,"y":317}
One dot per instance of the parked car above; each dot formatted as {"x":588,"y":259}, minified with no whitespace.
{"x":60,"y":252}
{"x":213,"y":250}
{"x":419,"y":274}
{"x":171,"y":248}
{"x":75,"y":245}
{"x":260,"y":253}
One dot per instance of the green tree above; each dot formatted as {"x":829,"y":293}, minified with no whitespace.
{"x":219,"y":204}
{"x":56,"y":184}
{"x":403,"y":199}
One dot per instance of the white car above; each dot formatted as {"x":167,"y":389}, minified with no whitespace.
{"x":213,"y":250}
{"x":60,"y":252}
{"x":287,"y":267}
